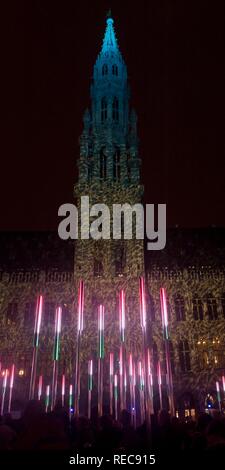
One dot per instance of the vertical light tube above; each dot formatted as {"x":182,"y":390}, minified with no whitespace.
{"x":143,"y":318}
{"x":116,"y":396}
{"x":80,"y":327}
{"x":90,"y":385}
{"x":63,"y":389}
{"x":47,"y":398}
{"x":159,"y":384}
{"x":122,"y":315}
{"x":150,"y":379}
{"x":131,"y":379}
{"x":40,"y":383}
{"x":141,"y":391}
{"x":169,"y":375}
{"x":4,"y":385}
{"x":56,"y":351}
{"x":37,"y":327}
{"x":70,"y":400}
{"x":100,"y":357}
{"x":111,"y":374}
{"x":223,"y":383}
{"x":218,"y":395}
{"x":122,"y":321}
{"x":11,"y":383}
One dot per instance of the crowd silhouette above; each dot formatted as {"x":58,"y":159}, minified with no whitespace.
{"x":56,"y":431}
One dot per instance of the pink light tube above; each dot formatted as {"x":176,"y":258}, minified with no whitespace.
{"x":5,"y":378}
{"x":142,"y":303}
{"x":159,"y":374}
{"x":81,"y":307}
{"x":111,"y":364}
{"x":12,"y":376}
{"x":223,"y":382}
{"x":217,"y":387}
{"x":130,"y":366}
{"x":164,"y":311}
{"x":101,"y":318}
{"x":122,"y":314}
{"x":115,"y":380}
{"x":38,"y":317}
{"x":63,"y":384}
{"x":40,"y":382}
{"x":59,"y":320}
{"x":121,"y":361}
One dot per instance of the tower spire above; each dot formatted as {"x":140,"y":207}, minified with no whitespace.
{"x":109,"y":41}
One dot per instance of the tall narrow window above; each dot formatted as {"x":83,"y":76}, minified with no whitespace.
{"x":103,"y":109}
{"x":114,"y":69}
{"x":197,"y":309}
{"x":151,"y":305}
{"x":29,"y":314}
{"x":105,"y":69}
{"x":116,"y":165}
{"x":115,"y":109}
{"x":172,"y":359}
{"x":212,"y":308}
{"x":98,"y":268}
{"x":223,"y":304}
{"x":184,"y":356}
{"x":89,"y":161}
{"x":49,"y":314}
{"x":128,"y":167}
{"x":119,"y":260}
{"x":103,"y":165}
{"x":66,"y":313}
{"x":179,"y":308}
{"x":12,"y":312}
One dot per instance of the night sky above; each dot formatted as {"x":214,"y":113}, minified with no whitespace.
{"x":174,"y":52}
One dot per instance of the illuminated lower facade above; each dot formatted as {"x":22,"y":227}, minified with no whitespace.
{"x":196,"y":323}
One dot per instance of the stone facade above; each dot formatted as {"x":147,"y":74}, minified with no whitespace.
{"x":191,"y":268}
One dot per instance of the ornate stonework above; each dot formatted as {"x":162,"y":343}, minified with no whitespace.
{"x":191,"y":267}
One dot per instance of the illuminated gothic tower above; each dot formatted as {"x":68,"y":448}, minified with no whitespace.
{"x":109,"y":172}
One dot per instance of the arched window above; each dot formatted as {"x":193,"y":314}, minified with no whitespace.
{"x":115,"y":109}
{"x":103,"y":165}
{"x":98,"y":268}
{"x":211,"y":308}
{"x":179,"y":308}
{"x":105,"y":69}
{"x":197,"y":308}
{"x":184,"y":356}
{"x":114,"y":69}
{"x":103,"y":109}
{"x":116,"y":165}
